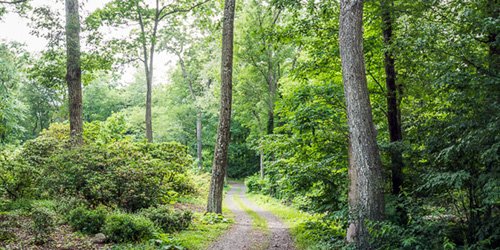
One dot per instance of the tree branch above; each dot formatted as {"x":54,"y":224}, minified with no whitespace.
{"x":181,"y":10}
{"x":14,"y":2}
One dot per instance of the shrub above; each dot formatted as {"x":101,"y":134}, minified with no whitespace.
{"x":168,"y":220}
{"x":257,"y":185}
{"x":89,"y":221}
{"x":66,"y":205}
{"x":7,"y":224}
{"x":213,"y":218}
{"x":116,"y":174}
{"x":16,"y":178}
{"x":122,"y":227}
{"x":42,"y":224}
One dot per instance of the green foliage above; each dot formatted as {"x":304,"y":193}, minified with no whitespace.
{"x":109,"y":169}
{"x":169,"y":221}
{"x":16,"y":178}
{"x":257,"y":185}
{"x":43,"y":223}
{"x":213,"y":218}
{"x":7,"y":224}
{"x":122,"y":227}
{"x":87,"y":220}
{"x":118,"y":174}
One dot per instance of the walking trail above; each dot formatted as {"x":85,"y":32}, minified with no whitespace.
{"x":242,"y":235}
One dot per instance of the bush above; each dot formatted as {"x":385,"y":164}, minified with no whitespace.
{"x":16,"y":178}
{"x":65,"y":205}
{"x":116,"y":174}
{"x":257,"y":185}
{"x":42,"y":224}
{"x":122,"y":227}
{"x":168,"y":220}
{"x":89,"y":221}
{"x":7,"y":224}
{"x":213,"y":218}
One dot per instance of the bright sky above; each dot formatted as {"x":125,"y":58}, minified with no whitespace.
{"x":15,"y":28}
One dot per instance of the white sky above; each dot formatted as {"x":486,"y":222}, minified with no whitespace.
{"x":15,"y":28}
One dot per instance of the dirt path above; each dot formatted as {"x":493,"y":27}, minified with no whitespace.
{"x":242,"y":236}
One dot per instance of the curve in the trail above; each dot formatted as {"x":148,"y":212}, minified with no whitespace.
{"x":243,"y":236}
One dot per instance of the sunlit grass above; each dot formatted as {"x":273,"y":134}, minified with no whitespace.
{"x":292,"y":217}
{"x":258,"y":222}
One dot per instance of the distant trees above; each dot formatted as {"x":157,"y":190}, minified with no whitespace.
{"x":145,"y":40}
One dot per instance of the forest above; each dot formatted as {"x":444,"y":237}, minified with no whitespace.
{"x":332,"y":124}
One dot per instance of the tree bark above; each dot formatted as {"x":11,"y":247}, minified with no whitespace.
{"x":362,"y":133}
{"x":214,"y":204}
{"x":393,"y":111}
{"x":262,"y":174}
{"x":74,"y":71}
{"x":198,"y":140}
{"x":353,"y":195}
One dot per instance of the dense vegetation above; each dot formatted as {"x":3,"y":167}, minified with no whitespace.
{"x":289,"y":133}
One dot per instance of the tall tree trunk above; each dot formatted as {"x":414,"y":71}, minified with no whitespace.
{"x":148,"y":67}
{"x":260,"y":143}
{"x":393,"y":112}
{"x":494,"y":47}
{"x":214,"y":204}
{"x":74,"y":71}
{"x":362,"y":133}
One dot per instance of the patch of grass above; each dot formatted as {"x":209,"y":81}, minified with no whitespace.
{"x":258,"y":223}
{"x":292,"y":217}
{"x":200,"y":235}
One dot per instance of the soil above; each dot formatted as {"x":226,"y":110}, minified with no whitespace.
{"x":242,"y":236}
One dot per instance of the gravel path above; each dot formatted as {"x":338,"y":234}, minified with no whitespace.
{"x":242,"y":236}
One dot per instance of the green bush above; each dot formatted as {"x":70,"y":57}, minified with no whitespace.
{"x":121,"y":227}
{"x":89,"y":221}
{"x":168,"y":220}
{"x":109,"y":169}
{"x":16,"y":177}
{"x":257,"y":185}
{"x":7,"y":225}
{"x":42,"y":223}
{"x":213,"y":218}
{"x":115,"y":174}
{"x":65,"y":205}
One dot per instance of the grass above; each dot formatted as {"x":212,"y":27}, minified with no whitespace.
{"x":258,"y":223}
{"x":292,"y":217}
{"x":198,"y":236}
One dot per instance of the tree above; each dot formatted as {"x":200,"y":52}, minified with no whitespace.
{"x":214,"y":204}
{"x":20,"y":5}
{"x":362,"y":133}
{"x":74,"y":71}
{"x":393,"y":97}
{"x":149,"y":19}
{"x":12,"y":110}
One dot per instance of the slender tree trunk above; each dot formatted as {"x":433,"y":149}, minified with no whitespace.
{"x":214,"y":204}
{"x":392,"y":99}
{"x":148,"y":67}
{"x":149,"y":123}
{"x":198,"y":140}
{"x":74,"y":71}
{"x":362,"y":131}
{"x":260,"y":137}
